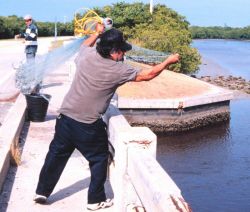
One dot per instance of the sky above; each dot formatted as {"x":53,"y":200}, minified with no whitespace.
{"x":234,"y":13}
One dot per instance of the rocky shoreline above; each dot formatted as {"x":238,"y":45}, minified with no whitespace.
{"x":229,"y":82}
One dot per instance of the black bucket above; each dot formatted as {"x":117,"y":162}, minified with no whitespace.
{"x":37,"y":106}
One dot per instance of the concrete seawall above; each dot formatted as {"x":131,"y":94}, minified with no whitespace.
{"x":173,"y":102}
{"x":174,"y":121}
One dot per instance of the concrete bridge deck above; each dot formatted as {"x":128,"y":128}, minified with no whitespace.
{"x":71,"y":192}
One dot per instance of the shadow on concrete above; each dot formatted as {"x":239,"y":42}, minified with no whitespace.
{"x":52,"y":85}
{"x":7,"y":188}
{"x":68,"y":191}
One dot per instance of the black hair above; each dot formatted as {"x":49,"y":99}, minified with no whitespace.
{"x":105,"y":50}
{"x":111,"y":41}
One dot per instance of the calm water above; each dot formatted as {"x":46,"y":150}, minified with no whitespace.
{"x":227,"y":56}
{"x":212,"y":165}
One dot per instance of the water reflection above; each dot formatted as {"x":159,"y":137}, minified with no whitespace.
{"x":212,"y":165}
{"x":195,"y":139}
{"x":197,"y":152}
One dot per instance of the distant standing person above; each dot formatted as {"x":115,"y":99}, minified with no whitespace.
{"x":30,"y":35}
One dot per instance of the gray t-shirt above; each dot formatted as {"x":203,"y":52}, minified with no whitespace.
{"x":94,"y":84}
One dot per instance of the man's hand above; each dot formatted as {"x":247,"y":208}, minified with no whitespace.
{"x":99,"y":28}
{"x":148,"y":74}
{"x":173,"y":58}
{"x":17,"y":36}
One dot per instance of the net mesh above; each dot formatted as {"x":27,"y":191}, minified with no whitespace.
{"x":147,"y":56}
{"x":31,"y":73}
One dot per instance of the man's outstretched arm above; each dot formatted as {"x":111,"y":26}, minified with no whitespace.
{"x":148,"y":74}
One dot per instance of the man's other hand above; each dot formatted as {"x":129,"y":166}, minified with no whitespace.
{"x":17,"y":36}
{"x":100,"y":28}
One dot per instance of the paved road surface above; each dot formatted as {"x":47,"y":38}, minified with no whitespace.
{"x":70,"y":193}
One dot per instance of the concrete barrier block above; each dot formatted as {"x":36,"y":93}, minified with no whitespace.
{"x":135,"y":175}
{"x":152,"y":184}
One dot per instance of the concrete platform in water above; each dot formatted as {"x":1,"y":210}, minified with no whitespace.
{"x":174,"y":102}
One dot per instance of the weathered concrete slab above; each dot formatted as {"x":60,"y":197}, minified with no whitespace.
{"x":170,"y":90}
{"x":173,"y":102}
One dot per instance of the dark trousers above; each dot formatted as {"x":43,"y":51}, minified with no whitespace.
{"x":91,"y":140}
{"x":30,"y":51}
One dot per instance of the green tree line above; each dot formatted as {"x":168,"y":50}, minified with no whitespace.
{"x":217,"y":32}
{"x":12,"y":25}
{"x":164,"y":30}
